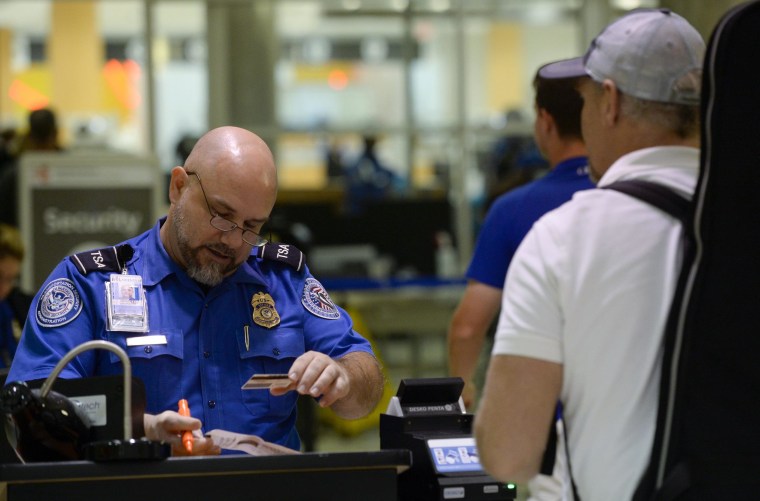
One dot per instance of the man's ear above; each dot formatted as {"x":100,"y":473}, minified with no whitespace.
{"x":177,"y":183}
{"x":545,"y":121}
{"x":611,"y":102}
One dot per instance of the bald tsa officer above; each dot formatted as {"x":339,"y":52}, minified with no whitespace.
{"x":213,"y":308}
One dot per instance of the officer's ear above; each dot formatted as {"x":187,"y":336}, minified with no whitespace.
{"x":177,"y":183}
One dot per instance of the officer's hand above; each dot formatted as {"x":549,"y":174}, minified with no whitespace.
{"x":168,"y":427}
{"x":316,"y":374}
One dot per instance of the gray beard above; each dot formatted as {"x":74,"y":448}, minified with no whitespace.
{"x":210,"y":274}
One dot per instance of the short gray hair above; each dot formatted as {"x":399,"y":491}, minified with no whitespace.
{"x":682,"y":119}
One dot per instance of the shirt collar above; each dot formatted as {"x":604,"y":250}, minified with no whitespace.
{"x":574,"y":166}
{"x":673,"y":166}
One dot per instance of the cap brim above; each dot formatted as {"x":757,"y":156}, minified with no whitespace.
{"x":567,"y":68}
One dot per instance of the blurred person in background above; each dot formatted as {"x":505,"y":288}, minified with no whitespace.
{"x":367,"y":179}
{"x":14,"y":303}
{"x":42,"y":136}
{"x":8,"y":138}
{"x":43,"y":132}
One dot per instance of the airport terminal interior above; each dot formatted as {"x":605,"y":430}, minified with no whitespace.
{"x":440,"y":90}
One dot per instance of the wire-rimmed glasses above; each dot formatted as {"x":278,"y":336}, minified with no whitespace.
{"x":222,"y":224}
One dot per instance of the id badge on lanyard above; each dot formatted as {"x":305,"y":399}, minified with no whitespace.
{"x":127,"y":308}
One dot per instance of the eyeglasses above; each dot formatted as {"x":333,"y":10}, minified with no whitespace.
{"x":249,"y":236}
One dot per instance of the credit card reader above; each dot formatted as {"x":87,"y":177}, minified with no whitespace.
{"x":427,"y":416}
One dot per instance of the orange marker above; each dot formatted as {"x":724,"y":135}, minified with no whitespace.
{"x":187,"y":435}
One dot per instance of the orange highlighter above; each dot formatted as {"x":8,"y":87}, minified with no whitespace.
{"x":187,"y":435}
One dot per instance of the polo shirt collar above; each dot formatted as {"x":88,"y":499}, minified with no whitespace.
{"x":570,"y":167}
{"x":674,"y":166}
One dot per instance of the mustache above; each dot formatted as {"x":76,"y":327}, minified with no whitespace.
{"x":222,"y":249}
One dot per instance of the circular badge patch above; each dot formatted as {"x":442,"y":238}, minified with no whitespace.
{"x":317,"y":301}
{"x":59,"y":303}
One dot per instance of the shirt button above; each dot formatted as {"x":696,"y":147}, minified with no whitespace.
{"x":206,"y":354}
{"x":148,"y":349}
{"x":276,"y":352}
{"x":211,"y":404}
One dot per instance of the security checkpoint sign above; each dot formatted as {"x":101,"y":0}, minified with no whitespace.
{"x":71,"y":202}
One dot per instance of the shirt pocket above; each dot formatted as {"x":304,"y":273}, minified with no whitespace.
{"x":159,"y":366}
{"x":269,"y":352}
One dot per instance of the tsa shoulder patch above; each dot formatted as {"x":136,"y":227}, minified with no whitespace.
{"x":106,"y":259}
{"x":283,"y":253}
{"x":317,"y":301}
{"x":59,"y":303}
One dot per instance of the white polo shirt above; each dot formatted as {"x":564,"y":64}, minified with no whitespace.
{"x":590,"y":288}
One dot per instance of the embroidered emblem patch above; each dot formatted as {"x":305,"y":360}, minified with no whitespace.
{"x":264,"y":313}
{"x":59,"y":303}
{"x":317,"y":301}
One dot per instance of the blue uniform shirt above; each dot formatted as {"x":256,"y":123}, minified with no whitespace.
{"x":206,"y":358}
{"x":512,"y":215}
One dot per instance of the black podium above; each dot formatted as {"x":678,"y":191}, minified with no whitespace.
{"x":369,"y":476}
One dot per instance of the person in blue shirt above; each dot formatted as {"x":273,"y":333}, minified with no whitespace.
{"x":557,"y":131}
{"x":214,"y":308}
{"x":367,"y":179}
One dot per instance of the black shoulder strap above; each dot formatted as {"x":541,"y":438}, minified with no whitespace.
{"x":573,"y":485}
{"x":550,"y":453}
{"x":657,"y":195}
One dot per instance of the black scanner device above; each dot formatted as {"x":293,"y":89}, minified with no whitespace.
{"x":427,"y":417}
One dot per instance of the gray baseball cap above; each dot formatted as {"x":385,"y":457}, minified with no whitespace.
{"x":652,"y":54}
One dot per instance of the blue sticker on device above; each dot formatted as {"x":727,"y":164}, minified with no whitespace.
{"x":59,"y":303}
{"x":317,"y":301}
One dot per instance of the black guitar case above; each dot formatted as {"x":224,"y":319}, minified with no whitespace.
{"x":707,"y":443}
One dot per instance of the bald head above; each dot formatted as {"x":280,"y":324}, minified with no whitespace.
{"x":229,"y":176}
{"x":234,"y":155}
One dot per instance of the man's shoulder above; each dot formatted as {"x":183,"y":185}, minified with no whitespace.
{"x":543,"y":193}
{"x":592,"y":210}
{"x":514,"y":197}
{"x":114,"y":258}
{"x":111,"y":259}
{"x":280,"y":256}
{"x":570,"y":215}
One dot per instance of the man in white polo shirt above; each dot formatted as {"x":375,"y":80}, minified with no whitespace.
{"x":587,"y":294}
